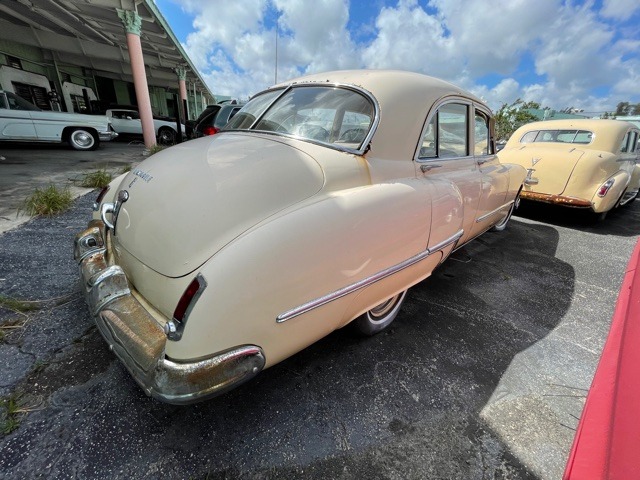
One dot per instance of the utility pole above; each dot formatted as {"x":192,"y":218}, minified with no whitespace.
{"x":276,"y":67}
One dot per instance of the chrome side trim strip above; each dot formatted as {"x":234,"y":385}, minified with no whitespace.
{"x":493,"y":212}
{"x":330,"y":297}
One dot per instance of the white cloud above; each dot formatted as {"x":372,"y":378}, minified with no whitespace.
{"x":620,"y":9}
{"x":410,"y":39}
{"x":570,"y":49}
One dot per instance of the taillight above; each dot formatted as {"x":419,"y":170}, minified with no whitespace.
{"x":175,"y":327}
{"x":602,"y":191}
{"x":210,"y":130}
{"x":103,"y":192}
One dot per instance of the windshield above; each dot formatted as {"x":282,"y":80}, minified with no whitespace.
{"x":19,"y":103}
{"x":327,"y":114}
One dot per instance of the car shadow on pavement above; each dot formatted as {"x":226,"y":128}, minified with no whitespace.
{"x":408,"y":403}
{"x":622,"y":221}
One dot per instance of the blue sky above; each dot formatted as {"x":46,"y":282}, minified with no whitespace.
{"x":581,"y":54}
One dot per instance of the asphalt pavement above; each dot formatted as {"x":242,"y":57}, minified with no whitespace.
{"x":483,"y":374}
{"x":23,"y":168}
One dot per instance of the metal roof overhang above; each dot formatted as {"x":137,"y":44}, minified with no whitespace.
{"x":89,"y":33}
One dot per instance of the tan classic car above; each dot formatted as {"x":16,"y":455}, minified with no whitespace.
{"x":321,"y":202}
{"x":591,"y":164}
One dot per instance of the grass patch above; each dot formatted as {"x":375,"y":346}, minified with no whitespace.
{"x":12,"y":409}
{"x":125,"y":169}
{"x":155,"y":149}
{"x":47,"y":201}
{"x":97,"y":179}
{"x":10,"y":414}
{"x":21,"y":306}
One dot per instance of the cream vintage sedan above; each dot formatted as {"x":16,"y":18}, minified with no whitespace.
{"x":321,"y":202}
{"x":589,"y":164}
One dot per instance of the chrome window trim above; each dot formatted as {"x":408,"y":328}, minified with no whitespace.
{"x":491,"y":140}
{"x":470,"y":136}
{"x":493,"y":212}
{"x":356,"y":151}
{"x":538,"y":130}
{"x":330,"y":297}
{"x":275,"y":99}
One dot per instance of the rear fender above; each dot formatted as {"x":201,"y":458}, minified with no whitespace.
{"x":306,"y":254}
{"x":610,"y":200}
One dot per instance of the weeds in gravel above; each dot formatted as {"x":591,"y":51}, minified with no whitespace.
{"x":10,"y":326}
{"x":21,"y":306}
{"x":10,"y":413}
{"x":154,"y":149}
{"x":97,"y":179}
{"x":47,"y":201}
{"x":125,"y":169}
{"x":12,"y":410}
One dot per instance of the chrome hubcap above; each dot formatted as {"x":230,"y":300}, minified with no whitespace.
{"x":83,"y":139}
{"x":384,"y":308}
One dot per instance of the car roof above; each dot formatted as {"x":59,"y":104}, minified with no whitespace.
{"x":404,"y":98}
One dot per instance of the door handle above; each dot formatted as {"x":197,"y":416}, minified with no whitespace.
{"x":425,"y":168}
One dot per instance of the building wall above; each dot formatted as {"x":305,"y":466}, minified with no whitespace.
{"x":38,"y":69}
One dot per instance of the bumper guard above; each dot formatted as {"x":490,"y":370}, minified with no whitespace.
{"x":138,"y":340}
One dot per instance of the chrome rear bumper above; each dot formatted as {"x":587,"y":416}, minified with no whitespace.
{"x":556,"y":199}
{"x":138,"y":340}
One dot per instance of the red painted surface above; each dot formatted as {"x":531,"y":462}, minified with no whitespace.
{"x":607,"y":443}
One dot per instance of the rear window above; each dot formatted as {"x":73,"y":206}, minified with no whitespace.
{"x":558,"y":136}
{"x":338,"y":116}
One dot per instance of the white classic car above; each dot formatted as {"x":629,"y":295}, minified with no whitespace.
{"x":127,"y":122}
{"x":321,"y":202}
{"x":21,"y":121}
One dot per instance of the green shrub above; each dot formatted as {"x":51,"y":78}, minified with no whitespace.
{"x":48,"y":201}
{"x":97,"y":179}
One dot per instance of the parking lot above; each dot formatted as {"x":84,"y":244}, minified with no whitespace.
{"x":483,"y":374}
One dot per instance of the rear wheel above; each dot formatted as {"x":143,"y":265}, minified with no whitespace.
{"x":502,"y":224}
{"x":166,"y":136}
{"x":380,"y":316}
{"x":81,"y":139}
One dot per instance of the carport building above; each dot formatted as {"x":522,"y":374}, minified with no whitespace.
{"x":85,"y":55}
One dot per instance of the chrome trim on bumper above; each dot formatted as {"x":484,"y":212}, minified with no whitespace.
{"x":107,"y":136}
{"x":493,"y":212}
{"x":138,"y":340}
{"x":330,"y":297}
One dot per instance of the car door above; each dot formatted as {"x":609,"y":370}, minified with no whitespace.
{"x":15,"y":118}
{"x":126,"y":121}
{"x":445,"y":158}
{"x":494,"y":176}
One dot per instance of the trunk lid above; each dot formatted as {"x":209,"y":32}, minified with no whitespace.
{"x":189,"y":201}
{"x":552,"y":165}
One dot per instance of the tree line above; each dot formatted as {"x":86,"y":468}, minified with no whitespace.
{"x":512,"y":116}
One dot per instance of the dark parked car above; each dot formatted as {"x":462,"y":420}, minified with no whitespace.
{"x":211,"y":123}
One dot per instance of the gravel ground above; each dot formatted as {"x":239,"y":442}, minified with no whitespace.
{"x":483,"y":374}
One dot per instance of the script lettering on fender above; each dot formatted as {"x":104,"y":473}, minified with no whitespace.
{"x":140,"y":174}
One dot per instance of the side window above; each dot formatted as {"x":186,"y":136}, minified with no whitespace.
{"x":452,"y":131}
{"x":482,"y":135}
{"x":3,"y":102}
{"x":633,"y":138}
{"x":583,"y":137}
{"x":529,"y":137}
{"x":446,"y":135}
{"x":625,"y":143}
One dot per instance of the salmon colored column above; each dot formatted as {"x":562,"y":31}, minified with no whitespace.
{"x":182,"y":77}
{"x":132,"y":23}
